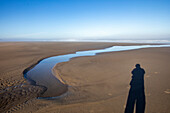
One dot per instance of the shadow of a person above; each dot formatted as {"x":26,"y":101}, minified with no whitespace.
{"x":136,"y":92}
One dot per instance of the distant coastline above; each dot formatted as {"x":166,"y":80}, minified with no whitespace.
{"x":81,"y":40}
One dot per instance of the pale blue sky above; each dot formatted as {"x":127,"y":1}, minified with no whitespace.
{"x":85,"y":19}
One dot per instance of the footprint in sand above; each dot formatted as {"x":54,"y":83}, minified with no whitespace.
{"x":156,"y":72}
{"x":109,"y":94}
{"x":167,"y":91}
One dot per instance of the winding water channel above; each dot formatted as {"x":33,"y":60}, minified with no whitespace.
{"x":42,"y":73}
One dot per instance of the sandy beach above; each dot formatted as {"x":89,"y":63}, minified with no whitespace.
{"x":96,"y":84}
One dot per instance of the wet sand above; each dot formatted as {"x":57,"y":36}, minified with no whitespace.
{"x":15,"y":57}
{"x":97,"y":84}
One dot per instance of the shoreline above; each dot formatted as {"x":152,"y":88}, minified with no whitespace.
{"x":61,"y":83}
{"x":38,"y":90}
{"x":31,"y":88}
{"x":164,"y":41}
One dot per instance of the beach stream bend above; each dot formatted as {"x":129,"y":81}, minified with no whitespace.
{"x":42,"y":73}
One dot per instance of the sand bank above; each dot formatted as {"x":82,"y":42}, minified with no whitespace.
{"x":101,"y":83}
{"x":97,"y":84}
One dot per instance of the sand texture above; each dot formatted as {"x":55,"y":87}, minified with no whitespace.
{"x":15,"y":57}
{"x":97,"y":84}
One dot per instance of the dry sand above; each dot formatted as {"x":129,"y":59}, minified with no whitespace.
{"x":97,"y":84}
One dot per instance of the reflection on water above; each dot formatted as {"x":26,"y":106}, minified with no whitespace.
{"x":42,"y":73}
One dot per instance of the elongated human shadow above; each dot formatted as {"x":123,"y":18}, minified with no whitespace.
{"x":136,"y":92}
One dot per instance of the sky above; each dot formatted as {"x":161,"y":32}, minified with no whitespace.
{"x":85,"y":19}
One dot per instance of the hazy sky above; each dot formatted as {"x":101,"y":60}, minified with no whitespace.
{"x":85,"y":19}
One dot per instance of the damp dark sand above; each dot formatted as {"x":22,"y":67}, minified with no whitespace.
{"x":96,"y":84}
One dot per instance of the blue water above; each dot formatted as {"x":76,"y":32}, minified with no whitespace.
{"x":43,"y":75}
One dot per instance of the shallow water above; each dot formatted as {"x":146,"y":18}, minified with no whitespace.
{"x":43,"y":75}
